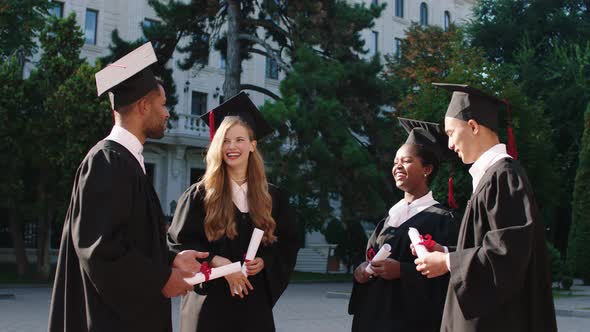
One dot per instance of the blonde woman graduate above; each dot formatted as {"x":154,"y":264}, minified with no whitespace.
{"x":220,"y":212}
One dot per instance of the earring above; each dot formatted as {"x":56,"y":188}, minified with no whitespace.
{"x":425,"y":175}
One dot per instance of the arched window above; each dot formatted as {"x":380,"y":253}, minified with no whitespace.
{"x":399,"y":8}
{"x":447,"y":20}
{"x":423,"y":14}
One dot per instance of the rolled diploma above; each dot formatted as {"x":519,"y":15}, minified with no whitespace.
{"x":383,"y":253}
{"x":414,"y":235}
{"x":216,"y":272}
{"x":252,"y":247}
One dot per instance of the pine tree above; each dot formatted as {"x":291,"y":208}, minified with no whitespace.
{"x":578,"y":253}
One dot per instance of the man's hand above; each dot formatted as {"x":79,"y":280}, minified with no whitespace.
{"x":432,"y":265}
{"x":388,"y":269}
{"x":176,"y":284}
{"x":187,"y":260}
{"x":360,"y":274}
{"x":254,"y":266}
{"x":437,"y":247}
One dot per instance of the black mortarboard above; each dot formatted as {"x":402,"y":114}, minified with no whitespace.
{"x":470,"y":103}
{"x":129,"y":78}
{"x":430,"y":135}
{"x":242,"y":107}
{"x":432,"y":138}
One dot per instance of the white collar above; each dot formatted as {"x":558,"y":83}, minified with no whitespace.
{"x":403,"y":210}
{"x":485,"y":161}
{"x":240,"y":195}
{"x":129,"y":141}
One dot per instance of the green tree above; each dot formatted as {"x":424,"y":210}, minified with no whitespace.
{"x":333,"y":135}
{"x":578,"y":253}
{"x":63,"y":113}
{"x":12,"y":128}
{"x":20,"y":22}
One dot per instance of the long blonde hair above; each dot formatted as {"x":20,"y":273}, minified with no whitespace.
{"x":219,"y":206}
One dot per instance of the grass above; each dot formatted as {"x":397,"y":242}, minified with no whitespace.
{"x":322,"y":277}
{"x":9,"y":276}
{"x":560,"y":293}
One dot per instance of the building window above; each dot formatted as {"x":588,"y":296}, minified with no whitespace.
{"x":447,"y":20}
{"x":397,"y":48}
{"x":423,"y":14}
{"x":222,"y":61}
{"x":90,"y":26}
{"x":57,"y":9}
{"x":399,"y":8}
{"x":272,"y":68}
{"x":198,"y":103}
{"x":374,"y":44}
{"x":374,"y":2}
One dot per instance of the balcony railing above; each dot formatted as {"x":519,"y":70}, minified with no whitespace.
{"x":188,"y":124}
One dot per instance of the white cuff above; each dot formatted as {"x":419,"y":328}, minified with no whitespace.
{"x":446,"y":249}
{"x":448,"y":261}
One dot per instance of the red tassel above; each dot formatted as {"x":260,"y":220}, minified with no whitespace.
{"x":511,"y":148}
{"x":451,"y":197}
{"x":211,"y":125}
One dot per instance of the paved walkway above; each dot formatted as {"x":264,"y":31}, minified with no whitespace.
{"x":303,"y":307}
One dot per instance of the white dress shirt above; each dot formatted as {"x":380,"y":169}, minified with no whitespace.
{"x":240,"y":196}
{"x":129,"y":141}
{"x":485,"y":161}
{"x":402,"y":211}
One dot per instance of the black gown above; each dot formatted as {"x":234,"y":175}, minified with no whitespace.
{"x":500,"y":277}
{"x":113,"y":259}
{"x":413,"y":302}
{"x":213,"y":308}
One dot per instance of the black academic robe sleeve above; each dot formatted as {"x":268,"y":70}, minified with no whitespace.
{"x":186,"y":231}
{"x":486,"y":275}
{"x":124,"y":277}
{"x":280,"y":257}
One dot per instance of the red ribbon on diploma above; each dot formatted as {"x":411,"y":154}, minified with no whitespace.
{"x":370,"y":254}
{"x":427,"y":241}
{"x":206,"y":270}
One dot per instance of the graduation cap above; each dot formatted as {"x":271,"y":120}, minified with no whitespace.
{"x":241,"y":106}
{"x":128,"y":79}
{"x":432,"y":138}
{"x":470,"y":103}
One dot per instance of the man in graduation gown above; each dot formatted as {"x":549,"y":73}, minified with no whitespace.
{"x":499,"y":274}
{"x":114,"y":271}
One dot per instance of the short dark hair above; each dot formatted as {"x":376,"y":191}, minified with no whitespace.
{"x":429,"y":158}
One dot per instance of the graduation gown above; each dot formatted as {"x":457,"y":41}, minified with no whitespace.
{"x":113,"y":259}
{"x":213,"y":308}
{"x":500,"y":277}
{"x":412,"y":302}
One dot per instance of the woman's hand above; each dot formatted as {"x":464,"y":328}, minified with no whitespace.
{"x":254,"y":266}
{"x":360,"y":274}
{"x":238,"y":284}
{"x":388,"y":269}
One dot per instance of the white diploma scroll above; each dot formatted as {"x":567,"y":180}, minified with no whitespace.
{"x":414,"y":235}
{"x":252,"y":247}
{"x":383,"y":253}
{"x":216,"y":272}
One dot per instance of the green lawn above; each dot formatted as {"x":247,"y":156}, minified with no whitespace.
{"x":323,"y":277}
{"x":560,"y":293}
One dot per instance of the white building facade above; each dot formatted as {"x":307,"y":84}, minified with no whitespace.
{"x":176,"y":161}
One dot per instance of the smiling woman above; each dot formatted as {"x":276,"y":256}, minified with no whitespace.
{"x":220,"y":213}
{"x":396,"y":297}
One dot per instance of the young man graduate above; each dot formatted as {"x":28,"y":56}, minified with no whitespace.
{"x":115,"y":272}
{"x":499,"y":274}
